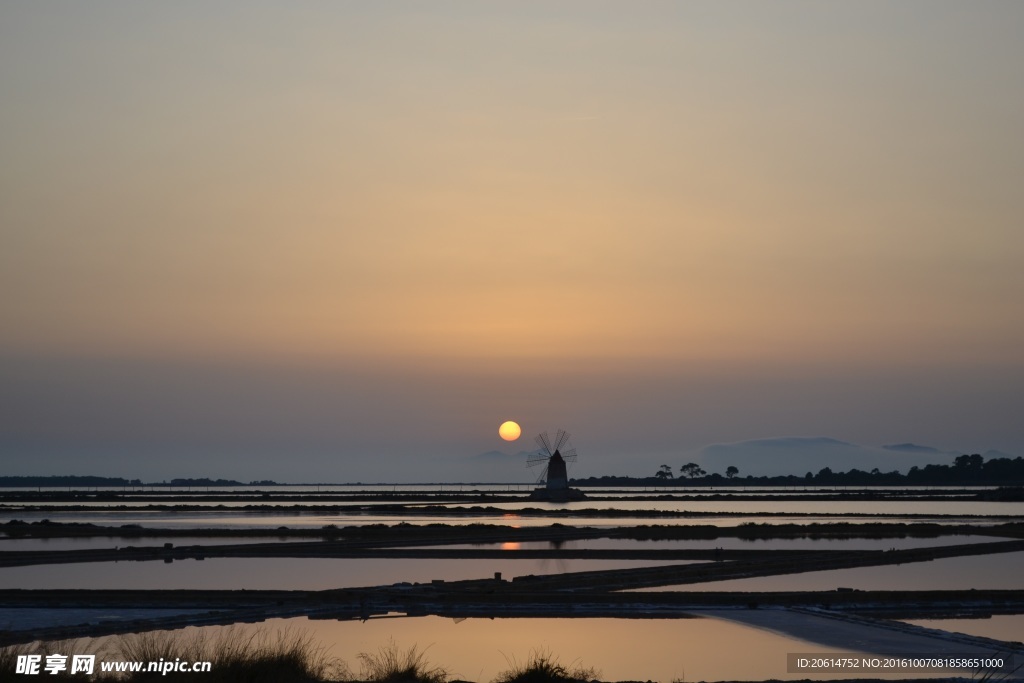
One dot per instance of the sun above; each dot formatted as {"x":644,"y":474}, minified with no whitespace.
{"x":509,"y":431}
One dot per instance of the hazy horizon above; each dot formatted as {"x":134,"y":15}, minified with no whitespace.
{"x":319,"y":242}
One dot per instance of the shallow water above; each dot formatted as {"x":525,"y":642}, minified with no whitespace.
{"x":285,"y":573}
{"x":23,"y":618}
{"x":161,"y":519}
{"x":1008,"y":627}
{"x":449,"y":487}
{"x":996,"y":571}
{"x":102,"y":542}
{"x":716,"y":645}
{"x":729,"y":543}
{"x":105,"y":542}
{"x":804,"y":507}
{"x":622,"y":649}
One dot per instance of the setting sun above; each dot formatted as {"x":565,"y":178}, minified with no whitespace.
{"x":509,"y":431}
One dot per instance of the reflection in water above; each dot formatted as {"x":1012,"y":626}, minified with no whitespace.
{"x":622,"y":649}
{"x":225,"y":520}
{"x":1008,"y":627}
{"x":744,"y":543}
{"x":110,"y":542}
{"x":583,"y":543}
{"x":999,"y":571}
{"x":874,"y":636}
{"x":509,"y":509}
{"x":828,"y":507}
{"x":283,"y":572}
{"x":690,"y":514}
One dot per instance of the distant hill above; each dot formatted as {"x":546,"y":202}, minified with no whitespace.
{"x":798,"y":455}
{"x":992,"y":454}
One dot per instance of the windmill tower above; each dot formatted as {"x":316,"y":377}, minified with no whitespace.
{"x":554,"y":456}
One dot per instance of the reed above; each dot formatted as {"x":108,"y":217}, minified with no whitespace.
{"x":236,"y":656}
{"x":544,"y":667}
{"x":391,"y":664}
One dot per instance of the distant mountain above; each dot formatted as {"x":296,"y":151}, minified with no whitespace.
{"x":798,"y":455}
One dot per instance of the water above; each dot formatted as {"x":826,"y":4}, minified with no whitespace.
{"x":107,"y":542}
{"x":713,"y":645}
{"x":658,"y":649}
{"x":1001,"y":571}
{"x":725,"y":645}
{"x":1008,"y":627}
{"x":307,"y":520}
{"x":285,"y":572}
{"x":734,"y":543}
{"x":827,"y":508}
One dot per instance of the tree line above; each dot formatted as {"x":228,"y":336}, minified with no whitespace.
{"x":965,"y":470}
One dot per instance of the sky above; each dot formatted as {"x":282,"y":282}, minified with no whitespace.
{"x":345,"y":241}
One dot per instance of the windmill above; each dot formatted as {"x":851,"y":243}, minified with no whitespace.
{"x":553,"y":458}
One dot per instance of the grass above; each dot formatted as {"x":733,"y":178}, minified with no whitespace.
{"x":262,"y":656}
{"x":236,"y":656}
{"x":391,"y":664}
{"x":9,"y":658}
{"x":288,"y":656}
{"x":543,"y":667}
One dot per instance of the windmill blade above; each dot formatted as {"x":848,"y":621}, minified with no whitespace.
{"x":535,"y":459}
{"x":569,"y":455}
{"x":544,"y":442}
{"x":543,"y":475}
{"x":561,"y":439}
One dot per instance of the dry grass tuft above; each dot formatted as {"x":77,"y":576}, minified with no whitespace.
{"x":543,"y":667}
{"x":236,"y":656}
{"x":258,"y":656}
{"x":390,"y":664}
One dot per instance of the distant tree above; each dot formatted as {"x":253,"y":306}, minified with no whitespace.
{"x":731,"y":471}
{"x":692,"y":470}
{"x":664,"y":472}
{"x":968,"y":462}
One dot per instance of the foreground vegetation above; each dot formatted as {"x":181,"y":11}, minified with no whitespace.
{"x":236,"y":656}
{"x":240,"y":656}
{"x":543,"y":667}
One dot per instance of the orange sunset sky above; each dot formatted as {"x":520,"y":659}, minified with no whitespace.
{"x":315,"y":241}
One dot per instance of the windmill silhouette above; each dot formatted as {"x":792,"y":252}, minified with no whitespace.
{"x":554,"y":459}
